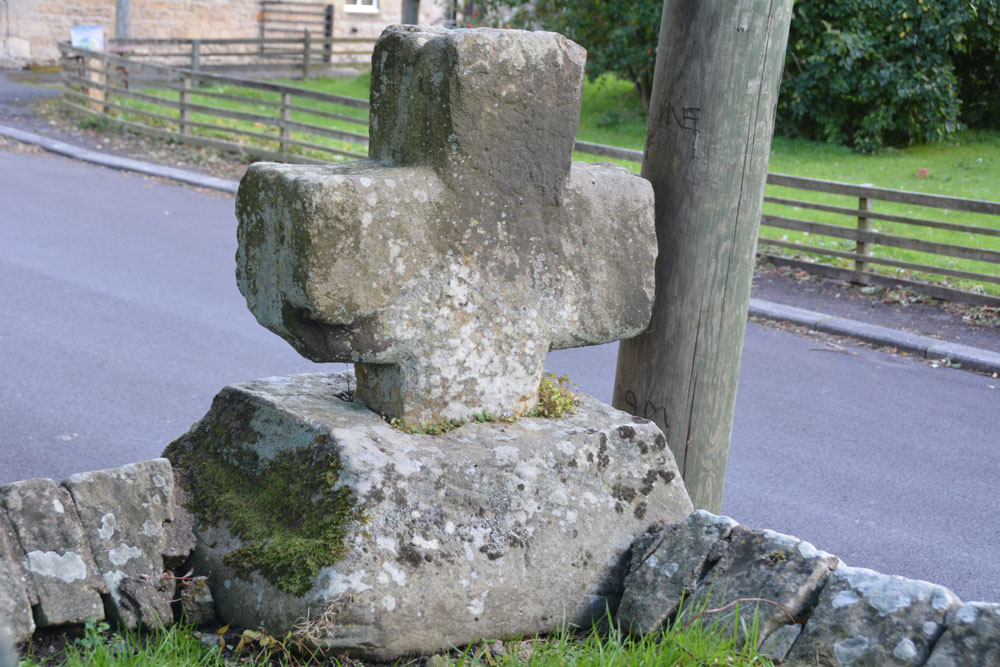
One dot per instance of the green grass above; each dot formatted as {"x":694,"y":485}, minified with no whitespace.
{"x":966,"y":166}
{"x":723,"y":640}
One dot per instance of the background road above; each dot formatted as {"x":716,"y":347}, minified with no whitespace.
{"x":120,"y":319}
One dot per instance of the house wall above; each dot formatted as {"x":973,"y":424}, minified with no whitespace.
{"x":30,"y":29}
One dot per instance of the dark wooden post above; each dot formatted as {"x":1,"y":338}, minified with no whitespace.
{"x":865,"y":225}
{"x":306,"y":53}
{"x":710,"y":121}
{"x":411,"y":12}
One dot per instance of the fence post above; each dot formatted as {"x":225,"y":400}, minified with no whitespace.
{"x":864,"y":225}
{"x":286,"y":114}
{"x":185,"y":99}
{"x":105,"y":82}
{"x":306,"y":53}
{"x":97,"y":78}
{"x":327,"y":33}
{"x":195,"y":54}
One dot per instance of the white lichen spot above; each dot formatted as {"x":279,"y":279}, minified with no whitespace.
{"x":670,"y":569}
{"x":387,"y":543}
{"x":108,"y":525}
{"x":67,"y":567}
{"x":507,"y":454}
{"x":849,"y":650}
{"x":397,"y":574}
{"x":571,"y":516}
{"x":566,"y":447}
{"x":476,"y":606}
{"x":333,"y":583}
{"x":114,"y":580}
{"x":420,"y":195}
{"x":382,"y":578}
{"x":123,"y":553}
{"x":57,"y":506}
{"x":364,"y":180}
{"x":371,"y":199}
{"x":966,"y":614}
{"x":930,"y":628}
{"x":366,"y":219}
{"x":420,"y":542}
{"x":449,"y":527}
{"x":389,"y":602}
{"x":150,"y":529}
{"x":227,"y":584}
{"x":469,"y":555}
{"x":159,"y":481}
{"x":156,"y":500}
{"x":844,"y":599}
{"x":905,"y":650}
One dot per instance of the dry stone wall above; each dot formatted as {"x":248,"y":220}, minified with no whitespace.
{"x":827,"y":613}
{"x":96,"y":546}
{"x":82,"y":549}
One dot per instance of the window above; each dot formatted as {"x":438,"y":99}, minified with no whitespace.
{"x":361,"y":6}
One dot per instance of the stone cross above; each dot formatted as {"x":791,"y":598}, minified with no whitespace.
{"x":469,"y":245}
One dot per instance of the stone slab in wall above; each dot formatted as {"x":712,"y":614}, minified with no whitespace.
{"x":57,"y":552}
{"x":124,"y":512}
{"x":16,"y":623}
{"x":972,"y":637}
{"x":496,"y":529}
{"x":863,"y":617}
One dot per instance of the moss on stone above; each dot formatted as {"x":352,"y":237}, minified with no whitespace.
{"x":287,"y":510}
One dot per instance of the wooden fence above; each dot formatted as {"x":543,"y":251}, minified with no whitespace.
{"x":103,"y":83}
{"x":293,"y":121}
{"x":304,"y":55}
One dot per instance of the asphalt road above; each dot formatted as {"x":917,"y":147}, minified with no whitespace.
{"x":120,"y":319}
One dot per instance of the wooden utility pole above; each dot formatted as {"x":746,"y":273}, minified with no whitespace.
{"x":123,"y":17}
{"x":707,"y":145}
{"x":411,"y":12}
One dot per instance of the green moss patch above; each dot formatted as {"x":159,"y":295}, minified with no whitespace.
{"x":286,"y":509}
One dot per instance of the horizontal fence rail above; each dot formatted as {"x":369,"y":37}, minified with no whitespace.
{"x":295,"y":124}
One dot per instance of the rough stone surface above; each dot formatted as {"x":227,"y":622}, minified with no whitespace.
{"x":12,"y":552}
{"x":866,"y":618}
{"x":58,"y":555}
{"x":16,"y":623}
{"x":123,"y":511}
{"x":197,"y":604}
{"x":180,"y":539}
{"x":448,"y":265}
{"x":770,"y":566}
{"x":666,"y":565}
{"x":489,"y":530}
{"x":971,"y":639}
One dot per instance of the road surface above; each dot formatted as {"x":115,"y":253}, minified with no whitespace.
{"x":121,"y":319}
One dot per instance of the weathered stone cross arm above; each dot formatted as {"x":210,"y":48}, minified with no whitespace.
{"x":468,"y":246}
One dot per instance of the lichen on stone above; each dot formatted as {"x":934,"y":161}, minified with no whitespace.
{"x":288,"y":510}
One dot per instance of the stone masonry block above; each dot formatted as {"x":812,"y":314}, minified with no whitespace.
{"x":58,"y":554}
{"x":124,"y":511}
{"x":866,"y":618}
{"x":489,"y":530}
{"x":971,"y":639}
{"x":666,"y":565}
{"x":769,"y":566}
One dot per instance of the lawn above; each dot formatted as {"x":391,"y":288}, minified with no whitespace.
{"x":967,"y":165}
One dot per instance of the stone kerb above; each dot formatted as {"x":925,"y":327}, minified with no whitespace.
{"x":469,"y":246}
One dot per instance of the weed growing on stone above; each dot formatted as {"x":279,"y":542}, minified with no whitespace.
{"x":556,"y":398}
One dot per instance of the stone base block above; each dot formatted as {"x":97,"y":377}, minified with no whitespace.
{"x":314,"y":513}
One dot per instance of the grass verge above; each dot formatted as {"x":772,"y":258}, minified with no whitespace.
{"x":723,"y":640}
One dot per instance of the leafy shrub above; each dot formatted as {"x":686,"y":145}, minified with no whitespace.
{"x":871,"y":73}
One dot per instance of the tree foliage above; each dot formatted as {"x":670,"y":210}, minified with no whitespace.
{"x":870,"y":73}
{"x":865,"y":73}
{"x":620,"y":35}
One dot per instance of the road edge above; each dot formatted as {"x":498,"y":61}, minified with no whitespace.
{"x":970,"y":358}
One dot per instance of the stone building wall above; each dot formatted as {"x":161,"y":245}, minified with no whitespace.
{"x":30,"y":29}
